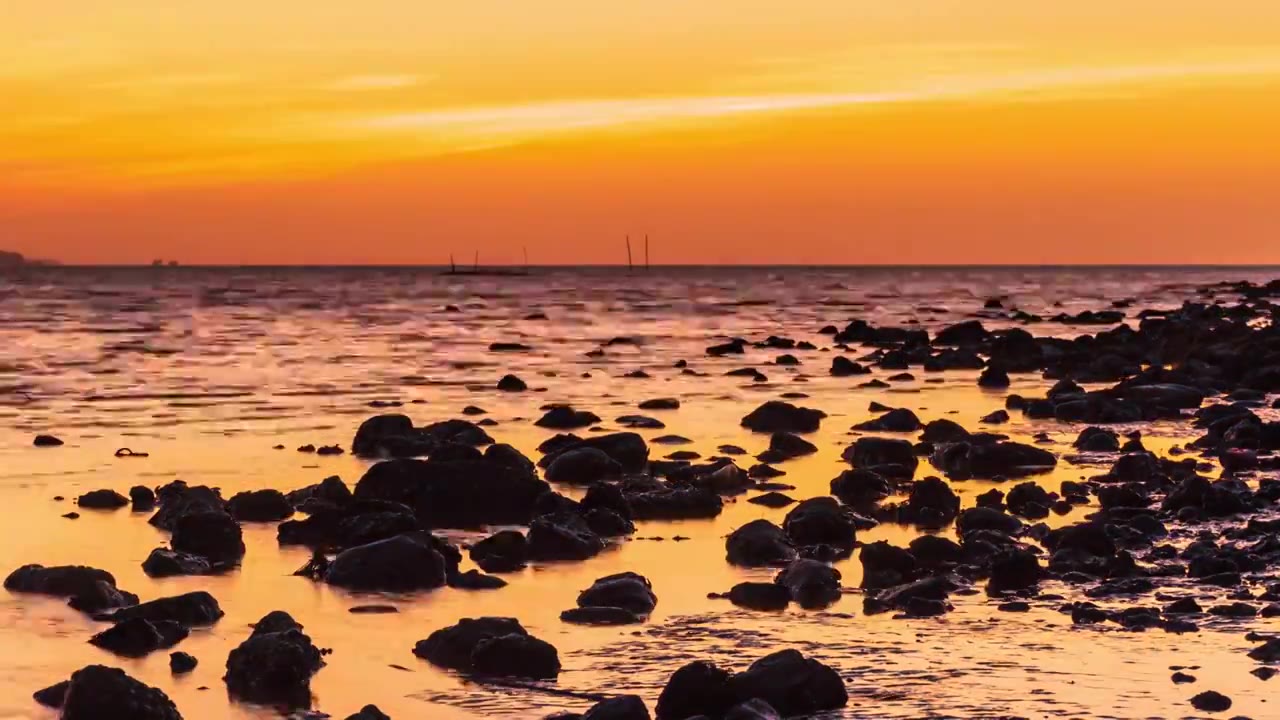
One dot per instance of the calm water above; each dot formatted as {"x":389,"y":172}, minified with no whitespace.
{"x":206,"y":370}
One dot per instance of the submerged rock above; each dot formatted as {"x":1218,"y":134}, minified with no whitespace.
{"x":189,"y":609}
{"x":138,"y":637}
{"x":96,"y":692}
{"x":274,"y":666}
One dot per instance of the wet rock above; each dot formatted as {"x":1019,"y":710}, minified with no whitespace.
{"x":603,"y":616}
{"x":181,"y":663}
{"x":508,"y":347}
{"x":842,"y":366}
{"x":563,"y":417}
{"x":660,"y":404}
{"x":625,"y":590}
{"x":820,"y":521}
{"x":399,"y":564}
{"x":754,"y":709}
{"x":1029,"y":500}
{"x":582,"y":466}
{"x":944,"y":431}
{"x":860,"y":487}
{"x":998,"y":417}
{"x":696,"y":689}
{"x":395,"y":436}
{"x":923,"y":597}
{"x":674,"y":503}
{"x":53,"y":695}
{"x":772,"y":500}
{"x":759,"y":543}
{"x":760,"y":596}
{"x":511,"y":383}
{"x":812,"y":584}
{"x":899,"y":420}
{"x":980,"y":518}
{"x":138,"y":637}
{"x":189,"y":609}
{"x":1211,"y":701}
{"x":46,"y":441}
{"x":628,"y":449}
{"x":993,"y":377}
{"x":776,"y":416}
{"x":504,"y":551}
{"x":890,"y":457}
{"x":90,"y":588}
{"x":964,"y":460}
{"x":932,"y":503}
{"x":96,"y":692}
{"x":521,"y":656}
{"x":624,"y":707}
{"x":785,"y":446}
{"x":213,"y":535}
{"x":275,"y":665}
{"x":885,"y":565}
{"x":102,"y":500}
{"x":1014,"y":569}
{"x":455,"y":493}
{"x":259,"y":506}
{"x":1096,"y":439}
{"x":369,"y":712}
{"x":142,"y":498}
{"x":476,"y":580}
{"x":562,"y":536}
{"x":935,"y":551}
{"x":790,"y":683}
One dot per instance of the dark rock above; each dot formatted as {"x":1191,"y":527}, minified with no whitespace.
{"x":1211,"y":701}
{"x":511,"y":383}
{"x":582,"y":466}
{"x":138,"y":637}
{"x":213,"y":535}
{"x":760,"y":596}
{"x":842,"y":366}
{"x":181,"y":663}
{"x":600,"y":615}
{"x":785,"y":445}
{"x":102,"y":500}
{"x":895,"y":458}
{"x":476,"y":580}
{"x":625,"y":590}
{"x":457,"y":493}
{"x":696,"y":689}
{"x":772,"y":500}
{"x":899,"y":420}
{"x":259,"y":506}
{"x":96,"y":692}
{"x":46,"y":441}
{"x":791,"y":683}
{"x":759,"y":543}
{"x":776,"y":416}
{"x":274,"y":666}
{"x":998,"y":417}
{"x":562,"y":417}
{"x":1014,"y":569}
{"x":369,"y":712}
{"x":820,"y":521}
{"x":516,"y":655}
{"x":1096,"y":439}
{"x":980,"y":518}
{"x":944,"y":431}
{"x":812,"y":584}
{"x":860,"y":487}
{"x":398,"y":564}
{"x":69,"y":581}
{"x":189,"y":609}
{"x":660,"y":404}
{"x":885,"y":565}
{"x":53,"y":695}
{"x":452,"y":647}
{"x":964,"y":460}
{"x":993,"y":377}
{"x":562,"y":536}
{"x":142,"y":498}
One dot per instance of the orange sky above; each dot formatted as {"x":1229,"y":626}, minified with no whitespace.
{"x":813,"y":131}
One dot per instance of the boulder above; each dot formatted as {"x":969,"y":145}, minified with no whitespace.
{"x":503,"y":551}
{"x":369,"y":712}
{"x":259,"y":506}
{"x":102,"y":500}
{"x":582,"y":466}
{"x":562,"y":536}
{"x":453,"y":646}
{"x":1014,"y":569}
{"x":624,"y":707}
{"x":625,"y":590}
{"x":181,"y":663}
{"x":142,"y":498}
{"x":600,"y":615}
{"x":67,"y":581}
{"x":812,"y":584}
{"x":275,"y":665}
{"x":516,"y":655}
{"x":696,"y":689}
{"x":790,"y":683}
{"x":189,"y":609}
{"x":139,"y":637}
{"x":455,"y":494}
{"x":964,"y":460}
{"x":398,"y":564}
{"x":759,"y":543}
{"x":898,"y":420}
{"x":563,"y":417}
{"x":96,"y":692}
{"x":820,"y":521}
{"x":760,"y":595}
{"x":46,"y":441}
{"x":860,"y":487}
{"x":511,"y":383}
{"x":213,"y":535}
{"x":895,"y":458}
{"x":777,"y":416}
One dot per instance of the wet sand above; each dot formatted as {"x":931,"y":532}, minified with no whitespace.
{"x":296,"y":359}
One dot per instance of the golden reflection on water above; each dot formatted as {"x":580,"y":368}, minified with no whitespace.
{"x":984,"y":661}
{"x":296,"y":360}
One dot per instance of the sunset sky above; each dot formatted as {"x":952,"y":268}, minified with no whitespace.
{"x":730,"y":131}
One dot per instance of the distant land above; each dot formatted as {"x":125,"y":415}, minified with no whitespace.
{"x":12,"y":259}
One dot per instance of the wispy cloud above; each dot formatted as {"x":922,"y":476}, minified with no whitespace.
{"x":525,"y":121}
{"x":363,"y":83}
